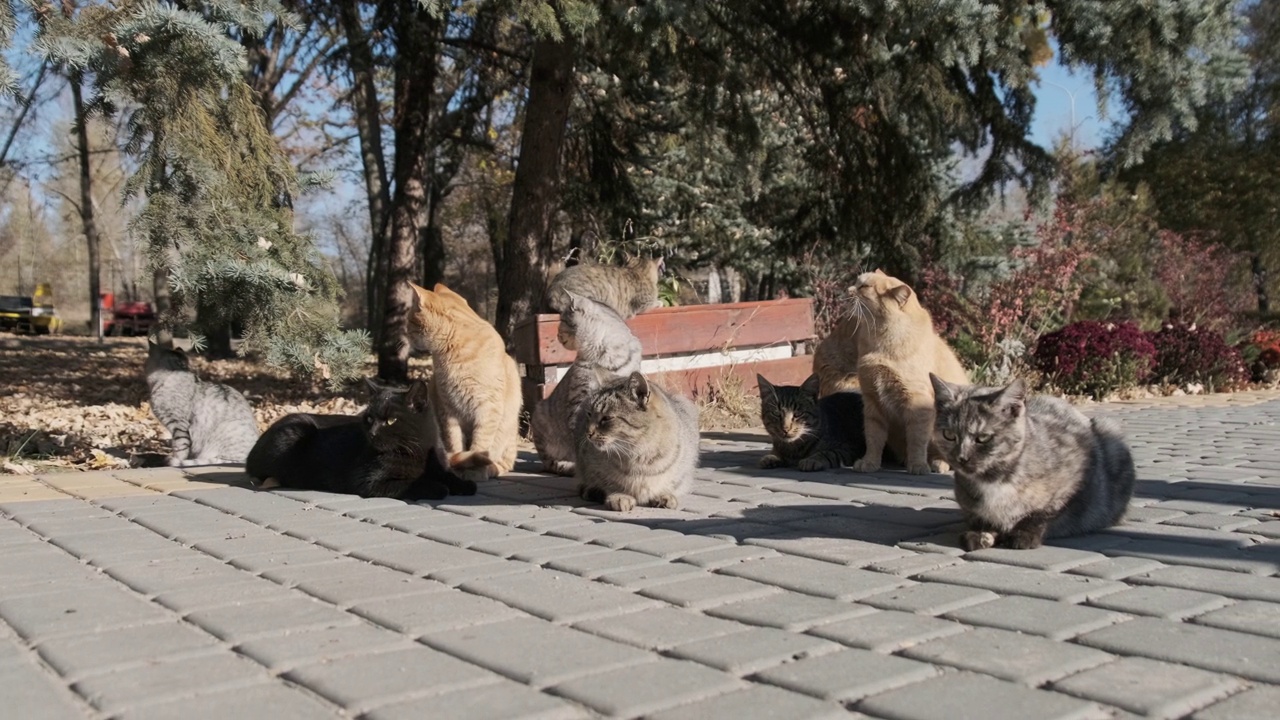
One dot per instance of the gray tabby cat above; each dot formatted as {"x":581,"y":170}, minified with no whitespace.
{"x":629,"y":290}
{"x":810,"y":433}
{"x":1029,"y":468}
{"x":606,"y":349}
{"x":637,"y":445}
{"x":211,"y":424}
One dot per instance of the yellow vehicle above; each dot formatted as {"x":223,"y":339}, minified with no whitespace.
{"x":30,"y":314}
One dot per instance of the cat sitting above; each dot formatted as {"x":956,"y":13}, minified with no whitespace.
{"x":810,"y":433}
{"x":391,"y":449}
{"x":1029,"y":468}
{"x":211,"y":423}
{"x":636,"y":445}
{"x":606,"y":349}
{"x":898,"y":350}
{"x":629,"y":290}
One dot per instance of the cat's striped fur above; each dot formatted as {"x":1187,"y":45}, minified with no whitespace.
{"x":211,"y":423}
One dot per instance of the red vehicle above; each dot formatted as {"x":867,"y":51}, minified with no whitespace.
{"x":125,"y":317}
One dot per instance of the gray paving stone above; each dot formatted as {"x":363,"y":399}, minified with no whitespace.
{"x":1008,"y":580}
{"x":284,"y":703}
{"x":345,"y":585}
{"x":1259,"y":703}
{"x":724,"y":557}
{"x":535,"y":651}
{"x":80,"y":655}
{"x":426,"y":519}
{"x":192,"y":526}
{"x":512,"y":546}
{"x":151,"y":577}
{"x":265,"y":563}
{"x":243,"y":590}
{"x":929,"y":598}
{"x":844,"y":551}
{"x":502,"y":701}
{"x":758,"y":702}
{"x":1219,"y":582}
{"x":609,"y":534}
{"x":252,"y":542}
{"x":753,"y":649}
{"x":80,"y":523}
{"x":477,"y":532}
{"x":1179,"y":552}
{"x":814,"y":577}
{"x":1046,"y":557}
{"x":235,"y":623}
{"x":1250,"y":656}
{"x":1214,"y":521}
{"x":365,"y":681}
{"x":672,"y":547}
{"x":1150,"y":688}
{"x":789,"y":611}
{"x":327,"y":644}
{"x":169,"y":679}
{"x":362,"y":535}
{"x":119,"y":546}
{"x":78,"y":612}
{"x":1117,"y":568}
{"x":848,"y":674}
{"x":557,"y":596}
{"x":1008,"y":655}
{"x":914,"y":564}
{"x":646,"y":688}
{"x":707,"y":590}
{"x":1251,"y":616}
{"x":1054,"y":620}
{"x":496,"y":567}
{"x":981,"y":696}
{"x":887,"y":630}
{"x":422,"y":558}
{"x":660,"y":628}
{"x":434,"y":611}
{"x":29,"y":691}
{"x":1165,"y":602}
{"x":642,"y":577}
{"x":593,"y":565}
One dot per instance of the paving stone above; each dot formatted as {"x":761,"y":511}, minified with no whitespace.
{"x":345,"y":585}
{"x":929,"y":598}
{"x":535,"y":651}
{"x":1165,"y":602}
{"x":557,"y":596}
{"x":1007,"y":580}
{"x":285,"y":703}
{"x":847,"y":675}
{"x":753,"y":649}
{"x":80,"y":523}
{"x":1259,"y":703}
{"x":365,"y":681}
{"x":1149,"y":532}
{"x":672,"y":547}
{"x":724,"y":557}
{"x":758,"y":702}
{"x":1008,"y":655}
{"x":158,"y":576}
{"x":434,"y":611}
{"x":243,"y":590}
{"x":844,"y":551}
{"x":427,"y":519}
{"x":593,"y":565}
{"x":422,"y":558}
{"x":235,"y":623}
{"x":660,"y":628}
{"x":364,"y":535}
{"x":789,"y":611}
{"x":119,"y":546}
{"x":914,"y":564}
{"x":1178,"y":552}
{"x":1045,"y":557}
{"x":1117,"y":568}
{"x":1251,"y":616}
{"x":1143,"y":515}
{"x":30,"y":693}
{"x":887,"y":630}
{"x":512,"y":546}
{"x":1150,"y":688}
{"x":85,"y":654}
{"x":265,"y":563}
{"x":456,"y":576}
{"x":502,"y":701}
{"x":326,"y":644}
{"x":814,"y":577}
{"x":643,"y":689}
{"x":1214,"y":521}
{"x":980,"y":696}
{"x":605,"y":533}
{"x":252,"y":542}
{"x":1219,"y":582}
{"x":1250,"y":656}
{"x":1054,"y":620}
{"x":642,"y":577}
{"x":707,"y":590}
{"x":169,"y":679}
{"x":78,"y":612}
{"x":544,"y":548}
{"x":478,"y":532}
{"x":194,"y":525}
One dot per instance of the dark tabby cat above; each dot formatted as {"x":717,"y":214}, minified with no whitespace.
{"x":1029,"y":468}
{"x":629,"y":290}
{"x":392,"y":449}
{"x":810,"y":433}
{"x":210,"y":423}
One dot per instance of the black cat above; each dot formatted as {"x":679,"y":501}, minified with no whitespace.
{"x":391,"y":449}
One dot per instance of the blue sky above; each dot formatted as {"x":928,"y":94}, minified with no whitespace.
{"x":1053,"y":107}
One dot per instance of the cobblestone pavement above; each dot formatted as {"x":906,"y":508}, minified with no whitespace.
{"x":164,"y":594}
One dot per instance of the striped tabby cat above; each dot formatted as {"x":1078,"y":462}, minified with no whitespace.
{"x":211,"y":423}
{"x":629,"y":290}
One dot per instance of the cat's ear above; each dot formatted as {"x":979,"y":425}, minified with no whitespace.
{"x":421,"y":296}
{"x":1013,"y":399}
{"x":373,"y":385}
{"x":418,"y":395}
{"x":811,"y":385}
{"x":640,"y":390}
{"x":943,"y":392}
{"x":765,"y":386}
{"x":901,"y":294}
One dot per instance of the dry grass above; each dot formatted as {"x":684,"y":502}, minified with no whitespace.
{"x":728,"y":405}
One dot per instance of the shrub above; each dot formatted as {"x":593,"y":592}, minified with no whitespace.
{"x":1189,"y":354}
{"x":1095,"y":358}
{"x":1261,"y":353}
{"x":1202,"y":281}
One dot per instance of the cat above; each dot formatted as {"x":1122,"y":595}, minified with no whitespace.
{"x":899,"y":349}
{"x":835,"y":359}
{"x":1029,"y":468}
{"x":808,"y":432}
{"x":211,"y":423}
{"x":637,"y":445}
{"x":391,"y":449}
{"x":606,"y":349}
{"x":629,"y":290}
{"x":475,"y":385}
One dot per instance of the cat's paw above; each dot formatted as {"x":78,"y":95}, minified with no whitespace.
{"x":865,"y":465}
{"x":559,"y":467}
{"x":918,"y":468}
{"x":770,"y":461}
{"x":620,"y":502}
{"x":1025,"y":540}
{"x":811,"y":464}
{"x":268,"y":484}
{"x":665,"y":500}
{"x":972,"y":540}
{"x":939,"y":466}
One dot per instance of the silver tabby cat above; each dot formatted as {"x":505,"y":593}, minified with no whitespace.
{"x":606,"y":349}
{"x":1027,"y":468}
{"x":637,"y":445}
{"x":629,"y":290}
{"x":210,"y":423}
{"x":808,"y":432}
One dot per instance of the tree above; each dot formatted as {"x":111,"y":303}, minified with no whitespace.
{"x":87,"y":220}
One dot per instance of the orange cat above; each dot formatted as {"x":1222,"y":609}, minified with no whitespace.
{"x":899,"y":349}
{"x":475,"y":384}
{"x":835,"y":360}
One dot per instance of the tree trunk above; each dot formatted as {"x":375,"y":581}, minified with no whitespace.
{"x":217,"y":330}
{"x":367,"y":111}
{"x":87,"y":219}
{"x":432,"y":243}
{"x":1259,"y":270}
{"x":414,"y":68}
{"x":160,"y":291}
{"x":522,"y":276}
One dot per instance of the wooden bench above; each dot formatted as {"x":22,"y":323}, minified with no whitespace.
{"x":692,"y":348}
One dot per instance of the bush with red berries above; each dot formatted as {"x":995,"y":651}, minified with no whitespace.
{"x":1189,"y":354}
{"x":1095,"y":358}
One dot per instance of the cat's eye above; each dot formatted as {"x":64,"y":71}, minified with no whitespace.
{"x":983,"y":439}
{"x":948,"y":436}
{"x":605,"y":422}
{"x":391,"y":421}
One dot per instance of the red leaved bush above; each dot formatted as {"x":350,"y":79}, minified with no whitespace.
{"x":1192,"y":354}
{"x":1199,"y":280}
{"x":1095,"y":358}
